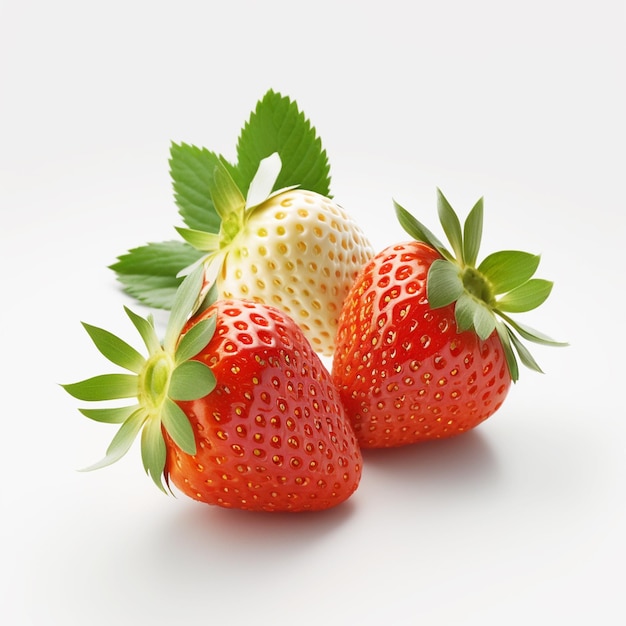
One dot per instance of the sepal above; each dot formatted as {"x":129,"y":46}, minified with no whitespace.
{"x":444,"y":284}
{"x":530,"y":334}
{"x":455,"y":279}
{"x":509,"y":354}
{"x":191,"y":380}
{"x":525,"y":356}
{"x":145,"y":327}
{"x":153,"y":452}
{"x":199,"y":239}
{"x":472,"y":233}
{"x":188,"y":298}
{"x":528,"y":296}
{"x":122,"y":441}
{"x":451,"y":224}
{"x":115,"y":349}
{"x":419,"y":232}
{"x":104,"y":387}
{"x":228,"y":200}
{"x":264,"y":180}
{"x":167,"y":376}
{"x":472,"y":313}
{"x":178,"y":426}
{"x":195,"y":339}
{"x":110,"y":415}
{"x":508,"y":269}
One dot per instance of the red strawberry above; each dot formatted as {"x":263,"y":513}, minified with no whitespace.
{"x":425,"y":345}
{"x":236,"y":408}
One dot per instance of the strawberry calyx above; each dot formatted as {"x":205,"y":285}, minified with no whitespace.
{"x":234,"y":210}
{"x":484,"y":294}
{"x":155,"y":383}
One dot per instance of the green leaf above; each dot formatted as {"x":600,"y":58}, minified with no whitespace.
{"x":200,"y":239}
{"x":115,"y":349}
{"x":178,"y":427}
{"x":104,"y":387}
{"x":153,"y":291}
{"x":196,"y":339}
{"x":451,"y":225}
{"x":187,"y":299}
{"x":444,"y":284}
{"x":472,"y":233}
{"x":113,"y":415}
{"x":191,"y":380}
{"x":122,"y":441}
{"x":508,"y":269}
{"x":192,"y":170}
{"x":277,"y":125}
{"x":149,"y":273}
{"x":153,"y":451}
{"x":145,"y":327}
{"x":165,"y":259}
{"x":526,"y":297}
{"x":419,"y":232}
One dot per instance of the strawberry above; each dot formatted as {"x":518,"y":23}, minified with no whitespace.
{"x":294,"y":249}
{"x":265,"y":227}
{"x":426,"y":347}
{"x":236,"y":408}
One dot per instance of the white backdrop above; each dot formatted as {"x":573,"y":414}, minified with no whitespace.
{"x":521,"y":521}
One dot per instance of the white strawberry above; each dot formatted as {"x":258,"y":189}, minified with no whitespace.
{"x":294,"y":249}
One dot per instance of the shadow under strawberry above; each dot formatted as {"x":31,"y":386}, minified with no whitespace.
{"x":200,"y":535}
{"x":446,"y":463}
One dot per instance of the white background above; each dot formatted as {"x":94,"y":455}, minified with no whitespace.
{"x":521,"y":521}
